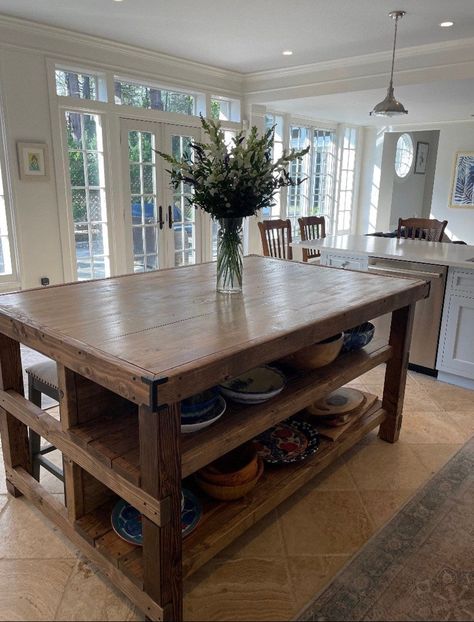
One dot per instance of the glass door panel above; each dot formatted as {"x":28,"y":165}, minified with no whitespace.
{"x":183,"y":218}
{"x":144,"y":210}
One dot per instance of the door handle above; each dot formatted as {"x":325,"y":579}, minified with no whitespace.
{"x":170,"y":217}
{"x":160,"y":217}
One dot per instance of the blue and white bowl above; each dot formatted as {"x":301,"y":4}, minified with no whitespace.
{"x":358,"y":337}
{"x":200,"y":404}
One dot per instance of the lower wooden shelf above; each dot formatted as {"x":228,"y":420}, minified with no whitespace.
{"x":222,"y":523}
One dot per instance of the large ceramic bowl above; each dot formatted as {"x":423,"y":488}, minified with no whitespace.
{"x":194,"y":424}
{"x":317,"y":355}
{"x":358,"y":337}
{"x":254,"y":386}
{"x":230,"y":493}
{"x":200,"y":404}
{"x":239,"y":466}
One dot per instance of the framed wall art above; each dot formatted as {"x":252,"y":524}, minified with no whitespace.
{"x":421,"y":159}
{"x":462,"y":188}
{"x":33,"y":161}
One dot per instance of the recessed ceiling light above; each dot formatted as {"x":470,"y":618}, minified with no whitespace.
{"x":287,"y":52}
{"x":447,"y":24}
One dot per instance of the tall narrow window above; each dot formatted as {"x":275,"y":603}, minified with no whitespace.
{"x":315,"y":195}
{"x":5,"y":253}
{"x":298,"y":196}
{"x":275,"y":120}
{"x":323,"y":173}
{"x":88,"y":196}
{"x":345,"y":199}
{"x":143,"y":202}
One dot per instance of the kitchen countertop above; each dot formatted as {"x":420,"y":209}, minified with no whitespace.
{"x":441,"y":253}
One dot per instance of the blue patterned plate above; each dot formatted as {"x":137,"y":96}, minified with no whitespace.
{"x":288,"y":442}
{"x":127,"y":521}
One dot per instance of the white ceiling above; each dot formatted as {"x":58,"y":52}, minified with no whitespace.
{"x":449,"y":100}
{"x":249,"y":35}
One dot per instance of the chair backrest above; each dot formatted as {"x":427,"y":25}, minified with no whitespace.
{"x":428,"y":229}
{"x":276,"y":238}
{"x":312,"y":228}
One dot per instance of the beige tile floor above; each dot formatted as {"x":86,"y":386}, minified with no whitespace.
{"x":275,"y":569}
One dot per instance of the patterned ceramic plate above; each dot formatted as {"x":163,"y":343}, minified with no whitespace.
{"x":127,"y":521}
{"x":291,"y":441}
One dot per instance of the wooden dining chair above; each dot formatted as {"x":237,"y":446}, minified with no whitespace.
{"x":312,"y":228}
{"x":428,"y":229}
{"x":276,"y":238}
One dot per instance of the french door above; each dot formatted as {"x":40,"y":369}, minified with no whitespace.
{"x":163,"y":229}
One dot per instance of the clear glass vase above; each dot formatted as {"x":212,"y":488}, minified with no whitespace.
{"x":229,"y":256}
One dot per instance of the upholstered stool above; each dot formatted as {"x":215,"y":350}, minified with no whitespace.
{"x":42,"y":378}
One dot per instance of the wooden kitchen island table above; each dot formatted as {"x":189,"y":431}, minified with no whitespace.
{"x":128,"y":349}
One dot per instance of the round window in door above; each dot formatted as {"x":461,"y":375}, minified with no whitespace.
{"x":404,"y":155}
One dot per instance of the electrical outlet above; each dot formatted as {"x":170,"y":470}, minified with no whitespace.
{"x":44,"y":280}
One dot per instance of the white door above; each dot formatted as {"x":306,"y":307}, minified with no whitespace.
{"x":163,"y":230}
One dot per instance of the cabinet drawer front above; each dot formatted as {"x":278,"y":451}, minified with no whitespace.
{"x":347,"y":263}
{"x":463,"y":281}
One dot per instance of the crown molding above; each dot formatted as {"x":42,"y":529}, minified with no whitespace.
{"x":363,"y":59}
{"x":27,"y":27}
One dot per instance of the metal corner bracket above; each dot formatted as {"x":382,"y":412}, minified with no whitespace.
{"x":153,"y":384}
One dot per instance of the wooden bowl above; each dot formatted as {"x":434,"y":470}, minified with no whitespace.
{"x":239,"y":466}
{"x":316,"y":355}
{"x":230,"y":493}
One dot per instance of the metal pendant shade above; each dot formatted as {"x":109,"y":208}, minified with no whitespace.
{"x":390,"y":106}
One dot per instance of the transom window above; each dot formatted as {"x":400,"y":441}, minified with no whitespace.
{"x":80,"y":84}
{"x":404,"y":155}
{"x":225,"y":109}
{"x":130,"y":93}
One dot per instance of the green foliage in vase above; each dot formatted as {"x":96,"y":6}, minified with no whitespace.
{"x":232,"y":181}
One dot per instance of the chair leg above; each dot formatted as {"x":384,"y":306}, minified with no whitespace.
{"x":35,"y":439}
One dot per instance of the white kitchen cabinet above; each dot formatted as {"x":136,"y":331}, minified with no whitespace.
{"x":456,"y":351}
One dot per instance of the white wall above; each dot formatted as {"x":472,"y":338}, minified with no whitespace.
{"x":379,"y":185}
{"x":30,"y":114}
{"x":453,"y":138}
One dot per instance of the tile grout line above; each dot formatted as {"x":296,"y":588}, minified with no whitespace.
{"x":74,"y":566}
{"x":289,"y":577}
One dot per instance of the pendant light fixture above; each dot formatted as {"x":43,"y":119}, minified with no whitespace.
{"x":391,"y":107}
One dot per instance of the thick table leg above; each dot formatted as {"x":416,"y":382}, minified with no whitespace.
{"x":160,"y":465}
{"x":16,"y":450}
{"x":396,"y":373}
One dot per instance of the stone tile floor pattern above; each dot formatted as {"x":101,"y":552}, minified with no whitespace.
{"x":275,"y":569}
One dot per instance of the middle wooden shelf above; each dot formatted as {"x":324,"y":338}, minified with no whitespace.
{"x":114,"y":440}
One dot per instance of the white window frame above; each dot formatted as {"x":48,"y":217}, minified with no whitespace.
{"x":339,"y":191}
{"x":339,"y":130}
{"x":111,"y":114}
{"x":8,"y":282}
